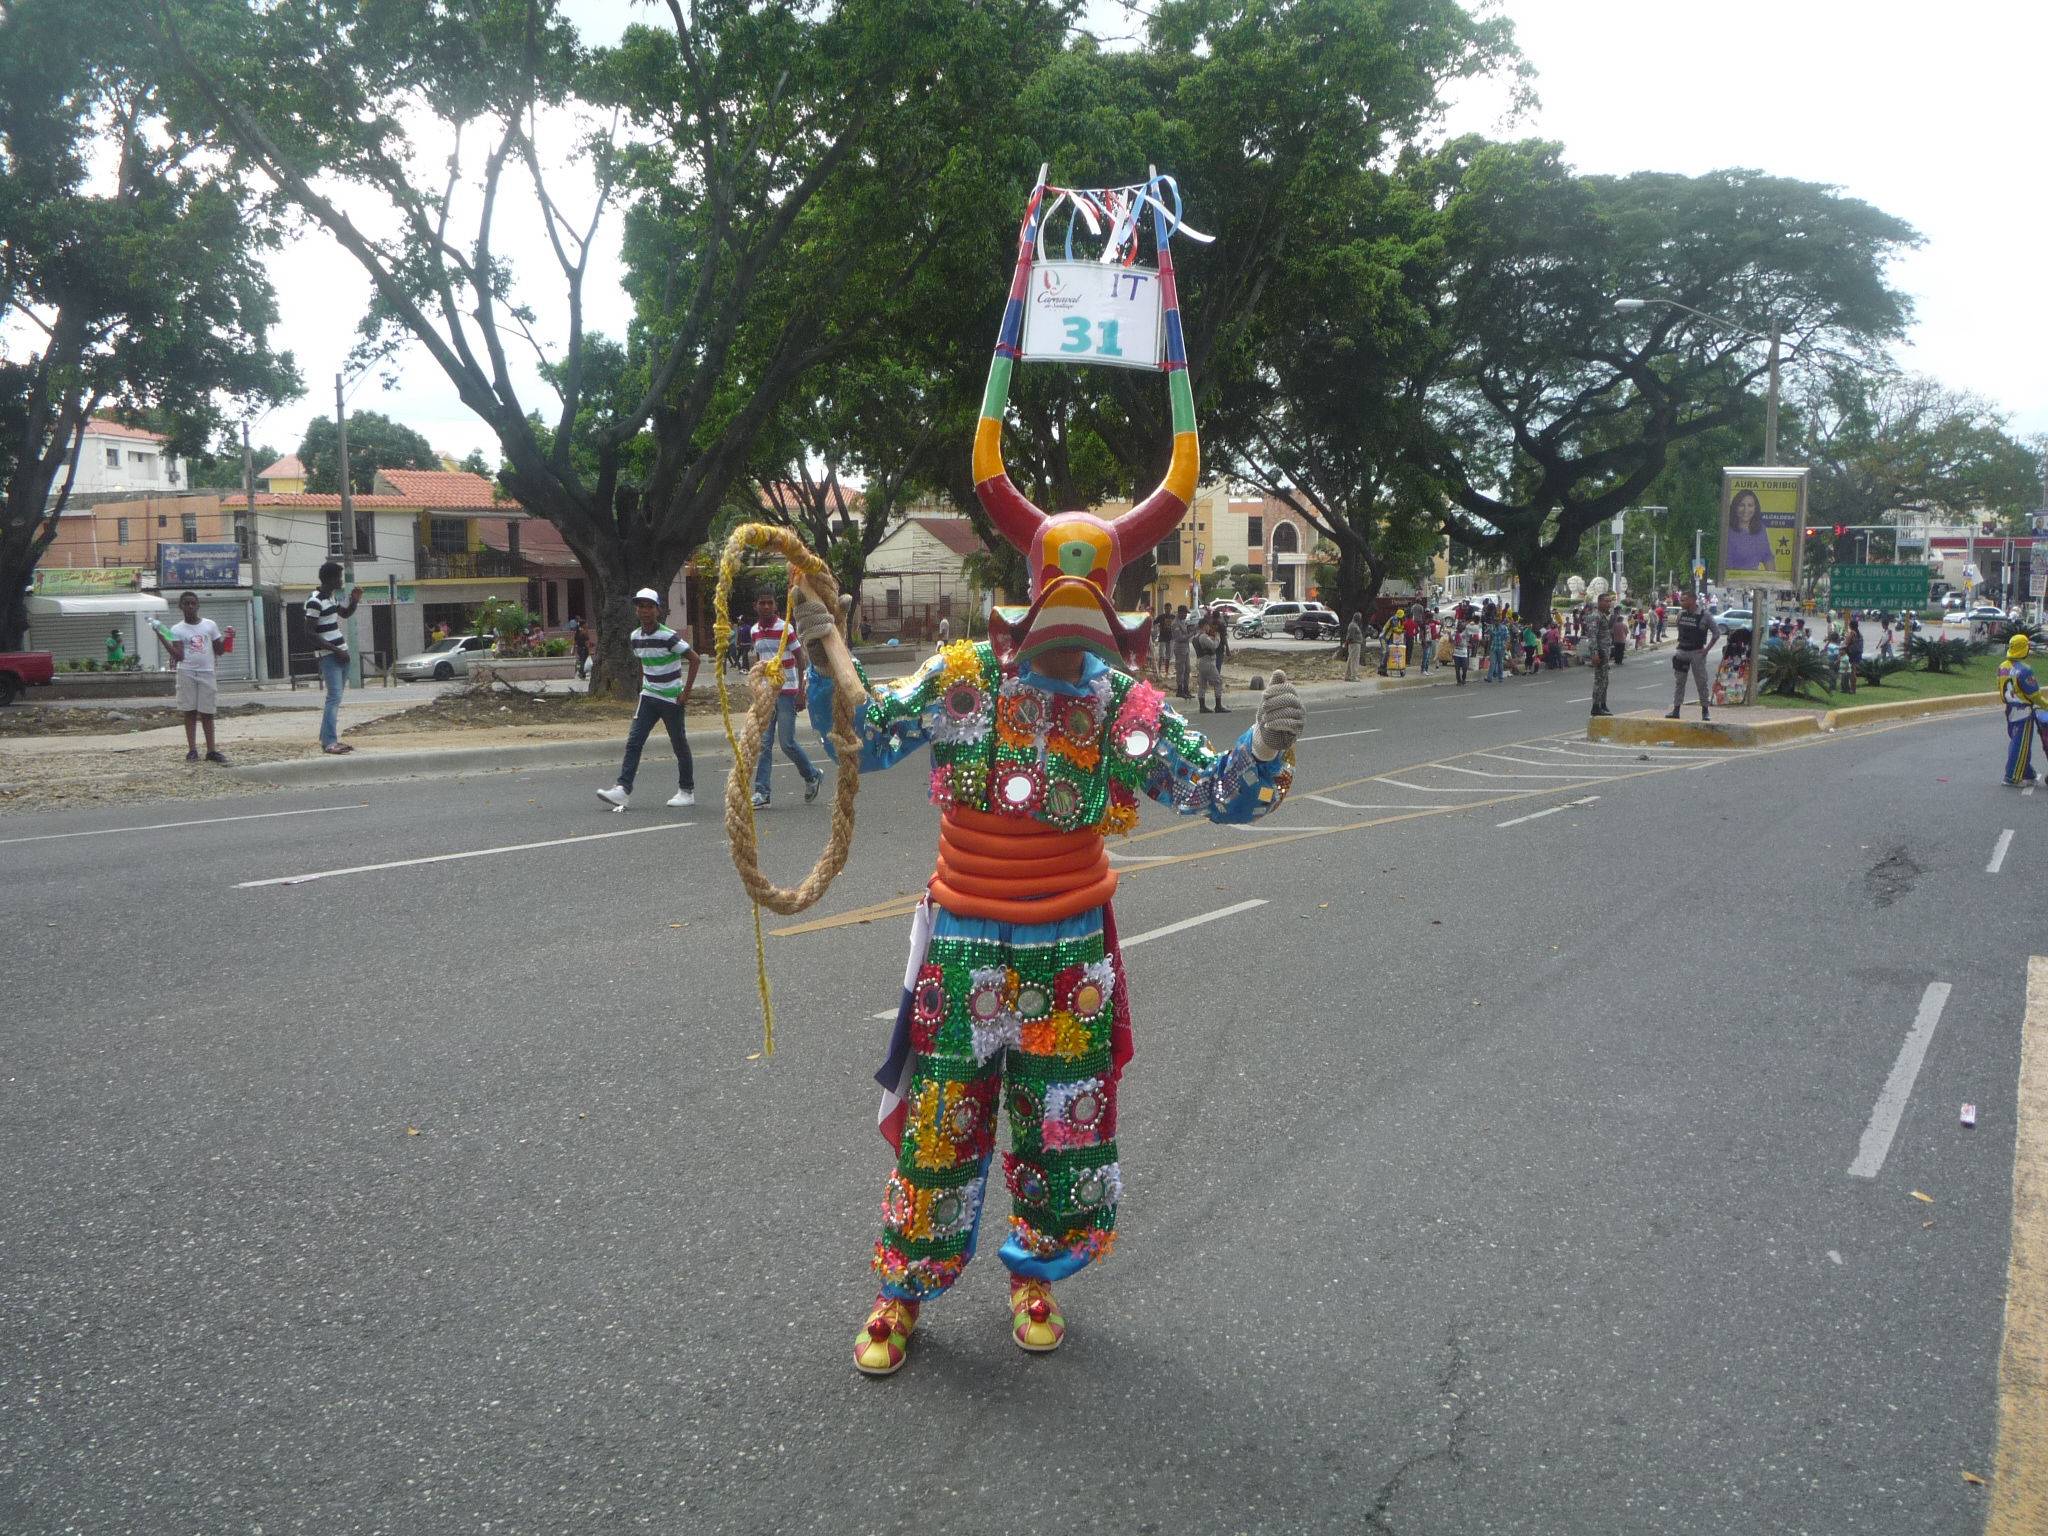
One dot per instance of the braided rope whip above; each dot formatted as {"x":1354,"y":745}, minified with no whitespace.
{"x":764,"y":683}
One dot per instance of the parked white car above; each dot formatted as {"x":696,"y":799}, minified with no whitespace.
{"x":444,"y":659}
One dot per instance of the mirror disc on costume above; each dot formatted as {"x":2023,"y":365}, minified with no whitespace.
{"x":1030,"y":1183}
{"x":1137,"y":741}
{"x":1063,"y":802}
{"x":985,"y":1003}
{"x":1019,"y":789}
{"x":1085,"y":1108}
{"x":1034,"y":1000}
{"x":1088,"y":999}
{"x":960,"y":1120}
{"x":947,"y":1209}
{"x":1091,"y":1188}
{"x":1080,"y":722}
{"x":963,"y":701}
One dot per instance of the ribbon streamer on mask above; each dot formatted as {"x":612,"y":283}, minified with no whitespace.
{"x":1121,"y":211}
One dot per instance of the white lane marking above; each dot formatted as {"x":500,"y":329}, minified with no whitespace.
{"x":1710,"y":763}
{"x":1190,"y":922}
{"x":1351,"y":805}
{"x":1432,"y":789}
{"x":473,"y":853}
{"x":1539,"y":815}
{"x":1586,"y":700}
{"x":1600,"y":767}
{"x":1117,"y":856}
{"x":1482,"y":773}
{"x":2028,"y":790}
{"x":1998,"y":853}
{"x":1834,"y":1257}
{"x":1493,"y":713}
{"x":205,"y":821}
{"x":1333,"y":735}
{"x":1891,"y":1104}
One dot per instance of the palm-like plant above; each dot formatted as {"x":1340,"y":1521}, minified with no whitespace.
{"x":1875,"y":669}
{"x":1792,"y":670}
{"x":1938,"y":655}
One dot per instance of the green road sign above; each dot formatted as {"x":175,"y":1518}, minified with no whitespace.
{"x":1878,"y":586}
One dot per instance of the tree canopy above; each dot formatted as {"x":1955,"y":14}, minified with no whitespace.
{"x":129,"y":262}
{"x":375,"y":442}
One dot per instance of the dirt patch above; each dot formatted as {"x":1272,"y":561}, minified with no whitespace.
{"x":71,"y":782}
{"x":89,"y":720}
{"x":504,"y":708}
{"x":1892,"y":876}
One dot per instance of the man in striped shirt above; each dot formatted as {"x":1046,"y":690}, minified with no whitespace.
{"x":324,"y":615}
{"x":661,"y":653}
{"x":772,"y":638}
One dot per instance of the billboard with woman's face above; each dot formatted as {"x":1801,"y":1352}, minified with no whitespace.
{"x":1763,"y":527}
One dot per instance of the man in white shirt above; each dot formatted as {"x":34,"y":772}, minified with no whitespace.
{"x":772,"y":637}
{"x":195,"y":642}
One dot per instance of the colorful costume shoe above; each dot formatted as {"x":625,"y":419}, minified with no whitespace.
{"x":1035,"y":1320}
{"x":883,"y":1343}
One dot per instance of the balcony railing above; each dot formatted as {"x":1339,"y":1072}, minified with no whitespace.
{"x":465,"y":564}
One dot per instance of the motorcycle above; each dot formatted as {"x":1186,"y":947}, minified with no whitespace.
{"x":1250,"y":627}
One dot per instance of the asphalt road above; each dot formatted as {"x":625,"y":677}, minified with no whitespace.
{"x":1491,"y":1174}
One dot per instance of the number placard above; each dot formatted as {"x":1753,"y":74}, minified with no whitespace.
{"x":1086,"y":312}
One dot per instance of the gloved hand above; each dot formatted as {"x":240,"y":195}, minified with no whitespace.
{"x":813,"y":620}
{"x":1280,"y":720}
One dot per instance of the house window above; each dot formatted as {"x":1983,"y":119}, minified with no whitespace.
{"x":113,"y":458}
{"x":1169,"y":549}
{"x":333,"y":533}
{"x":447,"y":535}
{"x":120,"y":530}
{"x":162,"y":521}
{"x":188,"y":525}
{"x":512,"y":540}
{"x":366,"y":535}
{"x":892,"y":603}
{"x":1255,"y":531}
{"x":1285,"y":540}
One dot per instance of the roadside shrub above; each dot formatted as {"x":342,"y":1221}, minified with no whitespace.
{"x":1875,"y":669}
{"x":1937,"y":655}
{"x":1793,"y":670}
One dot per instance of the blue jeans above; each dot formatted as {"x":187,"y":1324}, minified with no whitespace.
{"x":334,"y":675}
{"x":670,"y":713}
{"x":785,"y":734}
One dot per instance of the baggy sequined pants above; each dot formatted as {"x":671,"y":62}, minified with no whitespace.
{"x":1016,"y":1015}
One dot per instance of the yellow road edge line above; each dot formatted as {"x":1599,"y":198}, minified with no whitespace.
{"x":903,"y":905}
{"x":2019,"y":1483}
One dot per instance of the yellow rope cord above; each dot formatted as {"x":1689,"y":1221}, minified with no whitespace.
{"x":765,"y":682}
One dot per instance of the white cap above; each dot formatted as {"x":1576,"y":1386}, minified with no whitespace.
{"x":647,"y":595}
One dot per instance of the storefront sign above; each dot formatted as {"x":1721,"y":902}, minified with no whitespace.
{"x":198,"y":565}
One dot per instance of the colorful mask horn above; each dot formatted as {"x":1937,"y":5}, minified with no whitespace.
{"x":1074,"y":557}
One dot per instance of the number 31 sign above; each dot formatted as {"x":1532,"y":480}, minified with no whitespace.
{"x":1087,"y":312}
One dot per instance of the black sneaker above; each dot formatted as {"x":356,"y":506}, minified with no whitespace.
{"x":215,"y":757}
{"x":192,"y":756}
{"x":811,"y":787}
{"x":1672,"y":716}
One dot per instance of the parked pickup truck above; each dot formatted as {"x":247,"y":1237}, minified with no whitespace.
{"x":24,"y":669}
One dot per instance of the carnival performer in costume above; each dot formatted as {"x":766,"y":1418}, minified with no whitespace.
{"x":2021,"y":695}
{"x":1041,"y":740}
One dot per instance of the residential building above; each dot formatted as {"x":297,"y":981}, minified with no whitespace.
{"x":120,"y":461}
{"x":286,"y":477}
{"x":915,"y":578}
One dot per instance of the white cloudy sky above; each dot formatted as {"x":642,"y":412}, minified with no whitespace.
{"x":1930,"y":112}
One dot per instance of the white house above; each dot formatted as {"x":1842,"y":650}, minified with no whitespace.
{"x":117,"y":460}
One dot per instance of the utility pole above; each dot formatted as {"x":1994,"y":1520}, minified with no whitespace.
{"x":256,"y":661}
{"x":1760,"y":598}
{"x":348,"y":523}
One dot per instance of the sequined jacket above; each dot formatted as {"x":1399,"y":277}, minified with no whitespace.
{"x":1072,"y":756}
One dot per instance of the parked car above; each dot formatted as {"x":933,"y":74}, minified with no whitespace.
{"x":1984,"y":613}
{"x":1732,"y":618}
{"x":20,"y":670}
{"x":445,"y":659}
{"x":1304,"y":621}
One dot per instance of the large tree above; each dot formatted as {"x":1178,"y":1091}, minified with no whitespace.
{"x":1549,"y":410}
{"x":785,"y":168}
{"x":130,"y":277}
{"x":375,"y":442}
{"x":1886,"y":443}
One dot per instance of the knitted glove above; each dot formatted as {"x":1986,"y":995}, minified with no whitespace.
{"x":813,"y":620}
{"x":1280,"y":720}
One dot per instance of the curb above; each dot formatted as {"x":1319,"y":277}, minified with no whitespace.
{"x":434,"y":762}
{"x":1905,"y":709}
{"x":1633,"y":730}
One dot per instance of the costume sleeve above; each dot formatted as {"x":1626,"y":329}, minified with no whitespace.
{"x":1192,"y":778}
{"x":895,"y":720}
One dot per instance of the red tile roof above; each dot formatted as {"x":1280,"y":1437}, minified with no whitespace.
{"x":102,"y":426}
{"x":286,"y":468}
{"x":331,"y":502}
{"x":442,"y":488}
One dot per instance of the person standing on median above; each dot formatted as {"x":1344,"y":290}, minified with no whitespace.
{"x":1600,"y":625}
{"x":661,"y":653}
{"x":324,"y":614}
{"x":195,"y":642}
{"x":1354,"y":646}
{"x":1182,"y":635}
{"x":1695,"y":638}
{"x":768,"y":642}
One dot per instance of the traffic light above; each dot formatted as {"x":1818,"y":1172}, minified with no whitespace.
{"x":1840,"y":529}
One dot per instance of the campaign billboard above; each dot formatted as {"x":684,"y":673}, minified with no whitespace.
{"x":198,"y":565}
{"x":1763,"y":527}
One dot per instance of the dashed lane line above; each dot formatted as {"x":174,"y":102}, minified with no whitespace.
{"x":1898,"y":1088}
{"x":204,"y":821}
{"x":1189,"y":922}
{"x":1998,"y":853}
{"x":1370,"y":730}
{"x":449,"y":858}
{"x":1539,"y":815}
{"x":1493,"y":714}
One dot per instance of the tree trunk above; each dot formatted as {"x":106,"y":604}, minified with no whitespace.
{"x":1537,"y":572}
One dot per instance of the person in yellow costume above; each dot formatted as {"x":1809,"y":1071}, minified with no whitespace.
{"x":2020,"y":693}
